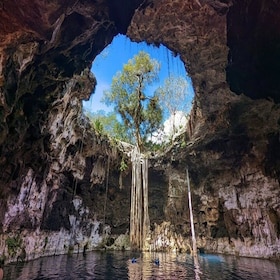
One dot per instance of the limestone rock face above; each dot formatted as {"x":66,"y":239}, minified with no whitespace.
{"x":59,"y":180}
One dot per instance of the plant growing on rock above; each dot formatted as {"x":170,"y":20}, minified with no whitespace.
{"x":13,"y":244}
{"x":123,"y":165}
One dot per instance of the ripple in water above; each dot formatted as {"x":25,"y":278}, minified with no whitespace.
{"x":119,"y":265}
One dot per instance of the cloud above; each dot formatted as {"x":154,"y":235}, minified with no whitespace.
{"x":172,"y":127}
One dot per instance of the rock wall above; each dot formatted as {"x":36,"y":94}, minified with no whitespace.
{"x":42,"y":210}
{"x":235,"y":193}
{"x":50,"y":157}
{"x":59,"y":181}
{"x":229,"y":137}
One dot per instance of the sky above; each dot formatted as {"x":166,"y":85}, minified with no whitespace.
{"x":114,"y":56}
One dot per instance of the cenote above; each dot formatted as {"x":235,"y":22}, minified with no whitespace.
{"x":67,"y":187}
{"x":121,"y":265}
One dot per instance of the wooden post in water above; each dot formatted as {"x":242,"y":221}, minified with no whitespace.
{"x":191,"y":218}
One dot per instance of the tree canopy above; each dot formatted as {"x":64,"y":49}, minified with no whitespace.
{"x":173,"y":95}
{"x":108,"y":123}
{"x":139,"y":111}
{"x":173,"y":101}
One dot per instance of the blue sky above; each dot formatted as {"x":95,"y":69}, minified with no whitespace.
{"x":112,"y":59}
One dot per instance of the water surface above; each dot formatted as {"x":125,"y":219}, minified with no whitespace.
{"x":119,"y":265}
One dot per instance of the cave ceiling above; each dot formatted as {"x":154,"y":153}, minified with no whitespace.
{"x":241,"y":37}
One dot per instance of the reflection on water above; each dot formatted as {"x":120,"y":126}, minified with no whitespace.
{"x":120,"y":265}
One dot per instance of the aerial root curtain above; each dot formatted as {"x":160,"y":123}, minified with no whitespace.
{"x":139,"y":216}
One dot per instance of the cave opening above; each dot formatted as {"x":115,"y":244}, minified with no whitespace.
{"x":104,"y":67}
{"x":172,"y":71}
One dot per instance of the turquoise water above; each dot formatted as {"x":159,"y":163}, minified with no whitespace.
{"x":119,"y":265}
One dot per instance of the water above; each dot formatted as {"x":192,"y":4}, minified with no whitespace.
{"x":119,"y":265}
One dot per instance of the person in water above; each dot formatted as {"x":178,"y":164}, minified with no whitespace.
{"x":156,"y":261}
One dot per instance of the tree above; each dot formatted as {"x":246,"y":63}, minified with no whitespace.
{"x":139,"y":111}
{"x":174,"y":98}
{"x":141,"y":115}
{"x":110,"y":125}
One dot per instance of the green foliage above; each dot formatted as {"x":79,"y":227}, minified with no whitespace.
{"x":140,"y":113}
{"x":175,"y":102}
{"x":183,"y":144}
{"x":108,"y":124}
{"x":123,"y":165}
{"x":97,"y":124}
{"x":13,"y":244}
{"x":173,"y":95}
